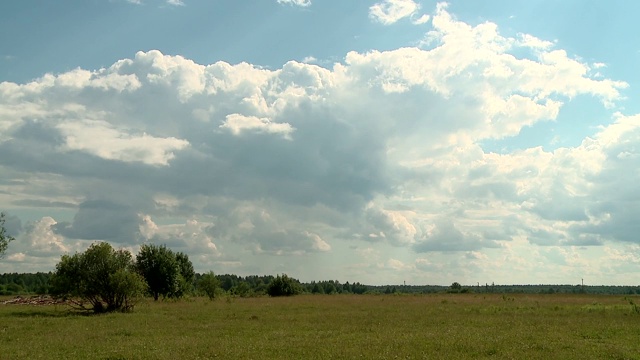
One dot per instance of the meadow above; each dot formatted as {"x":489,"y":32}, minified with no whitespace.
{"x":436,"y":326}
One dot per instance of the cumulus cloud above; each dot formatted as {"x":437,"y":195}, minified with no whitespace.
{"x":388,"y":225}
{"x":389,"y":12}
{"x":100,"y":139}
{"x":237,"y":124}
{"x":244,"y":165}
{"x":42,"y":240}
{"x":303,"y":3}
{"x":423,"y":19}
{"x":191,"y":237}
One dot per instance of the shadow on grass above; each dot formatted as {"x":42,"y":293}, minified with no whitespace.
{"x":35,"y":313}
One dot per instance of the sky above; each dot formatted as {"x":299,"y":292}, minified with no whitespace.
{"x":379,"y":141}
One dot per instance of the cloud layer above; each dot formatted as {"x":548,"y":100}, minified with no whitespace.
{"x":324,"y":170}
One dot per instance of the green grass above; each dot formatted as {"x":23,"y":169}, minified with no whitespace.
{"x":453,"y":326}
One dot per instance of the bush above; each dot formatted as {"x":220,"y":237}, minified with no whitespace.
{"x":167,"y":274}
{"x":455,"y":288}
{"x":101,"y":276}
{"x":208,"y":284}
{"x":242,"y":289}
{"x":13,"y":288}
{"x":283,"y":286}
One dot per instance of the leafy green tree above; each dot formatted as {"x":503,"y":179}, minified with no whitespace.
{"x":317,"y":289}
{"x":283,"y":285}
{"x":330,"y":288}
{"x":5,"y":238}
{"x":242,"y":289}
{"x":208,"y":284}
{"x":187,"y":274}
{"x":103,"y":277}
{"x":455,"y":288}
{"x":160,"y":269}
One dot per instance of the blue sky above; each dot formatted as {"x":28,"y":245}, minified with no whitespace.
{"x":373,"y":141}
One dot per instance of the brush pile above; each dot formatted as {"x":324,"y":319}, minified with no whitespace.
{"x":37,"y":300}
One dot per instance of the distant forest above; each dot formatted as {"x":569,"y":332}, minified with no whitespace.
{"x":247,"y":286}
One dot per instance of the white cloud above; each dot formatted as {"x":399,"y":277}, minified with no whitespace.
{"x":99,"y":139}
{"x":191,"y":237}
{"x":395,"y":227}
{"x":533,"y":42}
{"x":41,"y":239}
{"x":389,"y":12}
{"x":318,"y":244}
{"x":303,"y":3}
{"x":238,"y":124}
{"x":423,"y":19}
{"x":397,"y":265}
{"x":309,"y":60}
{"x":379,"y":154}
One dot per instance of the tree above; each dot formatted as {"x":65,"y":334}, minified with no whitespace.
{"x":103,"y":277}
{"x":5,"y":238}
{"x":208,"y":284}
{"x":242,"y":289}
{"x":187,"y":275}
{"x":283,"y":286}
{"x":455,"y":288}
{"x":317,"y":289}
{"x":160,"y":269}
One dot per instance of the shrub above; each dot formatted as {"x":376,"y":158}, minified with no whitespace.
{"x":283,"y":286}
{"x":208,"y":284}
{"x":242,"y":289}
{"x":101,"y":276}
{"x":166,"y":273}
{"x":455,"y":288}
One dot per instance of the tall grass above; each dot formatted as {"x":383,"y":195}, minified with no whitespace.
{"x":445,"y":326}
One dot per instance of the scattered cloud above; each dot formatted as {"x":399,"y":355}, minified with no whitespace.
{"x":309,"y":60}
{"x":167,"y":2}
{"x":533,"y":42}
{"x":423,"y":19}
{"x":303,"y":3}
{"x":389,"y":12}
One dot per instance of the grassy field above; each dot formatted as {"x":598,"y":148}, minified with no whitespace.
{"x":452,"y":326}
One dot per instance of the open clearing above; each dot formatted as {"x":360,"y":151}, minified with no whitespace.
{"x":443,"y":326}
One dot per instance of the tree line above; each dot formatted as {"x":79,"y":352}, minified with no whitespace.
{"x":257,"y":285}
